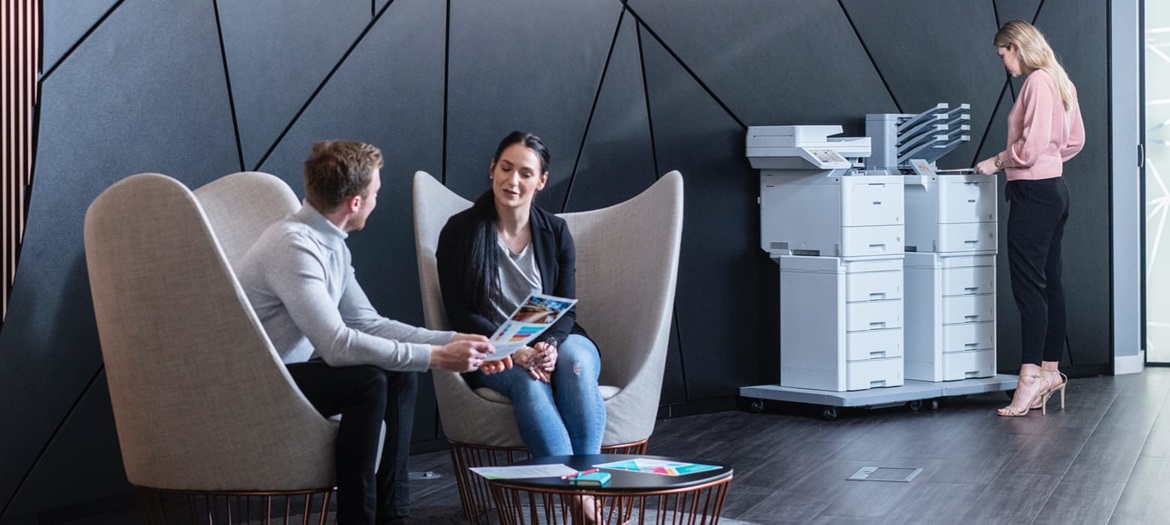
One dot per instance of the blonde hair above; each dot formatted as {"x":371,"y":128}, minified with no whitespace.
{"x":1035,"y":53}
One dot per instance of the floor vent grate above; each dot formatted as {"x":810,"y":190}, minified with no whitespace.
{"x":900,"y":475}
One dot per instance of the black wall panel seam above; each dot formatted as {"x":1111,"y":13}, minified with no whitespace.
{"x":592,"y":112}
{"x":446,"y":94}
{"x":688,"y":69}
{"x":869,"y":55}
{"x":682,"y":362}
{"x":321,"y":86}
{"x":646,"y":96}
{"x":674,"y":328}
{"x":227,"y":77}
{"x":49,"y":441}
{"x":79,"y":41}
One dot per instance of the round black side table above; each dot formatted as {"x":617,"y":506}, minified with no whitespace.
{"x":629,"y":497}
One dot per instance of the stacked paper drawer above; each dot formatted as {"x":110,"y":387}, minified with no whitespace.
{"x":839,"y":216}
{"x":841,"y":323}
{"x":950,"y":316}
{"x":951,"y":214}
{"x":950,"y":277}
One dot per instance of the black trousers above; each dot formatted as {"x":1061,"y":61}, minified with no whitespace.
{"x":1035,"y":229}
{"x":365,"y":396}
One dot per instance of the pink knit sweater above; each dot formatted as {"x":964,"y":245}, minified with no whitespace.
{"x":1041,"y":134}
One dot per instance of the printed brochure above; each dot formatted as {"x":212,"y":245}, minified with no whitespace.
{"x":530,"y":319}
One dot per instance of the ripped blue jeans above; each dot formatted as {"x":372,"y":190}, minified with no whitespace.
{"x":564,"y":417}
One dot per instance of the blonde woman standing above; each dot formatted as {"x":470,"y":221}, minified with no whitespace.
{"x":1044,"y":131}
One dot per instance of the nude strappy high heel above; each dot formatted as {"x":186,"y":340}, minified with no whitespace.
{"x":1042,"y":402}
{"x":1008,"y":411}
{"x":1052,"y":390}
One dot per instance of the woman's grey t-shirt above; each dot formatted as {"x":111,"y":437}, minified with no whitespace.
{"x":519,"y":277}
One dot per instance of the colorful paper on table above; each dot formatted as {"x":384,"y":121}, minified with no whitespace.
{"x":524,"y":471}
{"x":531,"y":318}
{"x":658,"y":466}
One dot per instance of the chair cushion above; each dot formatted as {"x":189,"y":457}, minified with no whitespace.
{"x":496,"y":397}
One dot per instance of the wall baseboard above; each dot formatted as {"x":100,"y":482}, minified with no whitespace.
{"x":1129,"y":364}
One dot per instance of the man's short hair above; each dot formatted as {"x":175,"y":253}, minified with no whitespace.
{"x":337,"y":170}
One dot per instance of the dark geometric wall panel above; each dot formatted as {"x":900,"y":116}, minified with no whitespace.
{"x":388,"y":92}
{"x":617,"y":160}
{"x":910,"y":59}
{"x":1080,"y":41}
{"x":82,"y":463}
{"x":1079,"y":33}
{"x":620,"y":91}
{"x":65,"y":22}
{"x":764,"y":59}
{"x":717,"y":269}
{"x":145,"y":93}
{"x":285,"y":49}
{"x":522,"y":65}
{"x":1016,"y":10}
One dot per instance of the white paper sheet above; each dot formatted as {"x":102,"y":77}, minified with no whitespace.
{"x":524,"y":471}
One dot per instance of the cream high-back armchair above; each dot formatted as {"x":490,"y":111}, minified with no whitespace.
{"x":202,"y":403}
{"x":627,"y":264}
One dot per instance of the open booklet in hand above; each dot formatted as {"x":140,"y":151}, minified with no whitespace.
{"x":531,"y":318}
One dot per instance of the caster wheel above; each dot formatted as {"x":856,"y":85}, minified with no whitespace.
{"x":829,"y":414}
{"x":915,"y":406}
{"x":757,"y":406}
{"x":934,"y":404}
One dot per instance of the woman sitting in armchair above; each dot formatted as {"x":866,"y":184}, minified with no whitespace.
{"x":490,"y":258}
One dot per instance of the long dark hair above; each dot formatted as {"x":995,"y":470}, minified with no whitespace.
{"x":483,"y":276}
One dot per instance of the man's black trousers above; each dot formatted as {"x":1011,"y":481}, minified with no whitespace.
{"x":365,"y":396}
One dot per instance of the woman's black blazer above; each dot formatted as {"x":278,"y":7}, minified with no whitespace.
{"x":555,"y":253}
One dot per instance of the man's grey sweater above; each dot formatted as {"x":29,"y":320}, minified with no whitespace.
{"x":300,"y":280}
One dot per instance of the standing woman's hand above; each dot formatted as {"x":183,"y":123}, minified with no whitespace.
{"x":989,"y":166}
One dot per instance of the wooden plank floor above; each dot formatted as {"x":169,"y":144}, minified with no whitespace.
{"x":1104,"y":459}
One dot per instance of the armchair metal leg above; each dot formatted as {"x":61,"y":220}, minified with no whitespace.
{"x":474,"y":491}
{"x":170,"y":507}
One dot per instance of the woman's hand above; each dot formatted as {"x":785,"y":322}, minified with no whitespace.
{"x":988,"y":167}
{"x":530,"y":359}
{"x":547,"y":355}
